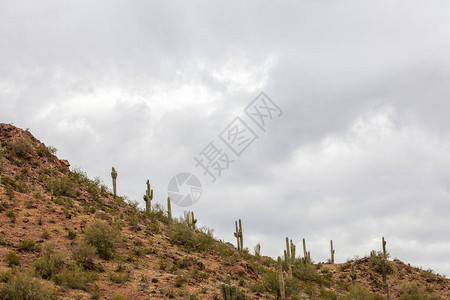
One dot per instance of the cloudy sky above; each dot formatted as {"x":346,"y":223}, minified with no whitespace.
{"x":361,"y":150}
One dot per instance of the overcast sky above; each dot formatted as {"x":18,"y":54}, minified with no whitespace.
{"x":361,"y":150}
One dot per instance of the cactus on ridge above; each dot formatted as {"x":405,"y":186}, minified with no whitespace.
{"x":114,"y":180}
{"x":148,"y":197}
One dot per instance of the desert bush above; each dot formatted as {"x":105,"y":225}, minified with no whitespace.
{"x":63,"y":186}
{"x":205,"y":239}
{"x":27,"y":245}
{"x":159,"y":214}
{"x":224,"y":250}
{"x":48,"y":263}
{"x":84,"y":254}
{"x":12,"y":259}
{"x":413,"y":291}
{"x":119,"y":297}
{"x":182,"y":235}
{"x":120,"y":275}
{"x":3,"y":241}
{"x":75,"y":278}
{"x":328,"y":295}
{"x":45,"y":234}
{"x":20,"y":149}
{"x":11,"y":215}
{"x":6,"y":276}
{"x":25,"y":287}
{"x":180,"y":280}
{"x":71,"y":234}
{"x":377,"y":262}
{"x":305,"y":272}
{"x":104,"y":238}
{"x":360,"y":293}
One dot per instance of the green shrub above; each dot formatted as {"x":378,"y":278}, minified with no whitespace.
{"x":84,"y":254}
{"x":12,"y":259}
{"x":45,"y":234}
{"x":182,"y":235}
{"x":20,"y":149}
{"x":119,"y":277}
{"x":271,"y":285}
{"x":104,"y":238}
{"x":48,"y":263}
{"x":6,"y":276}
{"x":11,"y":215}
{"x":63,"y":186}
{"x":27,"y":245}
{"x":10,"y":193}
{"x":75,"y":278}
{"x":305,"y":272}
{"x":71,"y":234}
{"x":413,"y":291}
{"x":328,"y":294}
{"x":119,"y":297}
{"x":180,"y":280}
{"x":360,"y":293}
{"x":24,"y":287}
{"x":377,"y":260}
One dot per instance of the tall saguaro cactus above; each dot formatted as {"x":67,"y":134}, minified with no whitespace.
{"x":148,"y":197}
{"x":229,"y":291}
{"x":289,"y":255}
{"x":258,"y":250}
{"x":114,"y":180}
{"x":190,"y":219}
{"x":383,"y":242}
{"x":332,"y":251}
{"x":281,"y":279}
{"x":384,"y":270}
{"x":169,"y":211}
{"x":306,"y":254}
{"x":239,"y":235}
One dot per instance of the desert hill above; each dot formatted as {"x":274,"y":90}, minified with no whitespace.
{"x":65,"y":236}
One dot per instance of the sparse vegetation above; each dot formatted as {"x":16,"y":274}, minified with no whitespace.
{"x":49,"y":263}
{"x":27,"y":245}
{"x":84,"y":254}
{"x":12,"y":259}
{"x":23,"y":286}
{"x":11,"y":215}
{"x":104,"y":238}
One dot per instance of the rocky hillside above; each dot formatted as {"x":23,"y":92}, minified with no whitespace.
{"x":65,"y":236}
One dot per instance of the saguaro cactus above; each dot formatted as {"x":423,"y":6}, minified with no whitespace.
{"x":281,"y":279}
{"x":169,"y":211}
{"x":229,"y":291}
{"x":332,"y":251}
{"x":384,"y":270}
{"x":148,"y":197}
{"x":353,"y":274}
{"x":114,"y":180}
{"x":383,"y":242}
{"x":239,"y":235}
{"x":289,"y":255}
{"x":258,"y":250}
{"x":306,"y":254}
{"x":190,"y":220}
